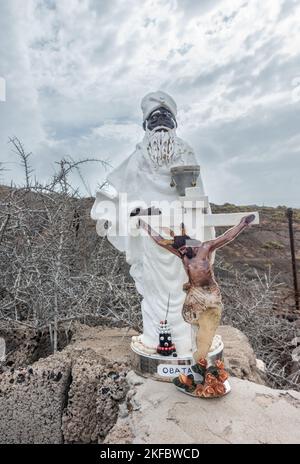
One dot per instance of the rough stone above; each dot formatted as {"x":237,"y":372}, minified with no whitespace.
{"x":112,"y":344}
{"x":96,"y":390}
{"x":73,"y":396}
{"x":77,"y":395}
{"x":239,"y":357}
{"x":261,"y":366}
{"x":26,"y":345}
{"x":250,"y":413}
{"x":32,"y":400}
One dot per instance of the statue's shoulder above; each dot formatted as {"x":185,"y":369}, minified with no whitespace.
{"x":129,"y":159}
{"x":184,"y":145}
{"x":185,"y":151}
{"x":126,"y":171}
{"x":138,"y":147}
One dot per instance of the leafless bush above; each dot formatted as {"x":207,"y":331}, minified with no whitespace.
{"x":248,"y":306}
{"x":49,"y":273}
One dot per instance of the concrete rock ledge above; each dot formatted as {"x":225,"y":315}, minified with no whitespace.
{"x":239,"y":357}
{"x":85,"y":394}
{"x":32,"y":400}
{"x":70,"y":397}
{"x":96,"y":390}
{"x":250,"y":413}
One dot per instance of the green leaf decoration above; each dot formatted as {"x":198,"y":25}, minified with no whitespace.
{"x":198,"y":369}
{"x":191,"y":377}
{"x":213,"y":370}
{"x":190,"y":389}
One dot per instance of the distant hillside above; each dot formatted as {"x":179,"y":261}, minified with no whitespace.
{"x":266,"y":246}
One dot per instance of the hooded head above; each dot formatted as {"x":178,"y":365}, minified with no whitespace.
{"x":155,"y":100}
{"x":159,"y":122}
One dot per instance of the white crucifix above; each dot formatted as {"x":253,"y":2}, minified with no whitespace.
{"x":193,"y":210}
{"x":196,"y":206}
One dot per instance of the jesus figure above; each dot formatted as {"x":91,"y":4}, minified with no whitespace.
{"x":203,"y":304}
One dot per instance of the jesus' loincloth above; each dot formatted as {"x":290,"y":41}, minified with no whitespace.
{"x":199,"y":300}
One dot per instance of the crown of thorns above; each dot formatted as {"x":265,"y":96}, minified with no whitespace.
{"x":179,"y":241}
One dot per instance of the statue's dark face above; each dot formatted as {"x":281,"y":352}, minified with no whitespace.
{"x":161,"y":117}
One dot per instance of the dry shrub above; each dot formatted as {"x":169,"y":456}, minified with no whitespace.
{"x":248,"y":304}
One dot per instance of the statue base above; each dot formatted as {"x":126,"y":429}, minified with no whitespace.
{"x":166,"y":368}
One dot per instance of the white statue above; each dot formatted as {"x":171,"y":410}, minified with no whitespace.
{"x":145,"y":178}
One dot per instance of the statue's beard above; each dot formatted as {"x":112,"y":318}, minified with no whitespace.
{"x":160,"y":145}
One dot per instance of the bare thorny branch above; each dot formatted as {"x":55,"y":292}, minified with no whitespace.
{"x":249,"y":307}
{"x":20,"y":151}
{"x":42,"y":248}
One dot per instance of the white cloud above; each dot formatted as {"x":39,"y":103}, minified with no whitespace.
{"x":77,"y":70}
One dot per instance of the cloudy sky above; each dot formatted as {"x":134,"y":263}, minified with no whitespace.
{"x":76,"y":70}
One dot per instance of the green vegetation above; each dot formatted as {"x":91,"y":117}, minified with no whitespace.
{"x":273,"y":245}
{"x":277,"y":214}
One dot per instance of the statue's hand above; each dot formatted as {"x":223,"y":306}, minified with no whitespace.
{"x":152,"y":211}
{"x":142,"y":224}
{"x":135,"y":212}
{"x":186,"y":287}
{"x":146,"y":212}
{"x":248,"y":219}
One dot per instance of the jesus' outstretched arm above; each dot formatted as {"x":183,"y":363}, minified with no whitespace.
{"x":165,"y":243}
{"x":232,"y":233}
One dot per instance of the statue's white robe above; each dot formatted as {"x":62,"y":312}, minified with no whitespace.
{"x":157,"y":272}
